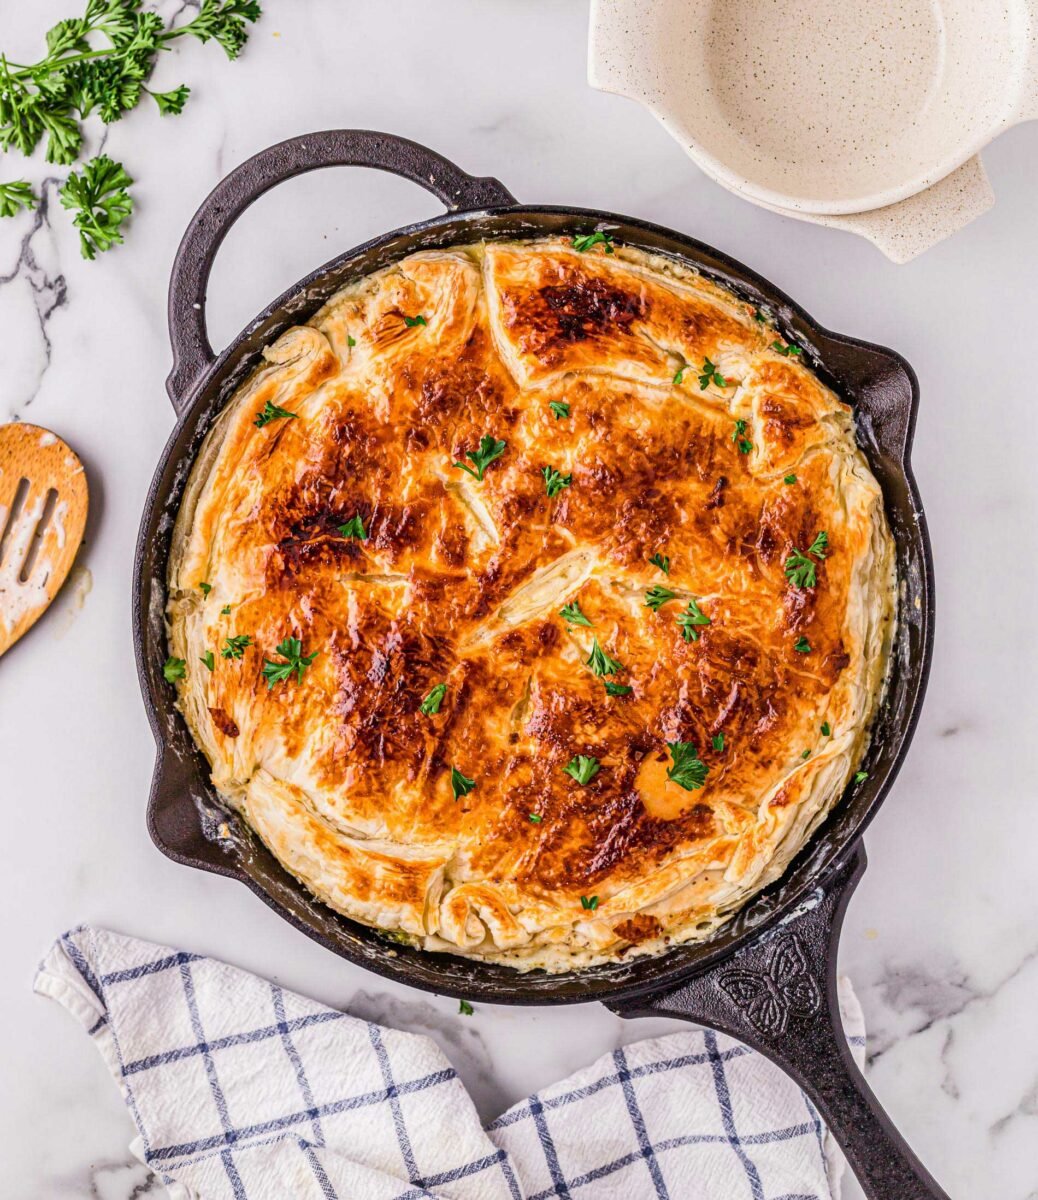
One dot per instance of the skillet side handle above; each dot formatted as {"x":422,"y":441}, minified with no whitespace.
{"x":192,"y":353}
{"x":779,"y":996}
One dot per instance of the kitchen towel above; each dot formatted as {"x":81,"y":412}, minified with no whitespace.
{"x":242,"y":1090}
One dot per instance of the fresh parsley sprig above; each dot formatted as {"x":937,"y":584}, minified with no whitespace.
{"x":709,"y":374}
{"x":787,"y":350}
{"x":657,"y":596}
{"x":616,"y":689}
{"x":354,"y":528}
{"x":800,"y":567}
{"x":560,"y":408}
{"x":98,"y":197}
{"x":555,"y":481}
{"x":174,"y":669}
{"x":600,"y":662}
{"x":692,"y":617}
{"x":291,"y":650}
{"x":688,"y":769}
{"x":14,"y":196}
{"x":740,"y":439}
{"x":272,"y":412}
{"x":662,"y":561}
{"x":413,"y":322}
{"x":584,"y":242}
{"x":573,"y":615}
{"x":489,"y":449}
{"x":431,"y":704}
{"x":235,"y":647}
{"x":461,"y":785}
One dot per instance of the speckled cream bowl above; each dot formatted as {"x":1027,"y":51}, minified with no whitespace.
{"x":866,"y":115}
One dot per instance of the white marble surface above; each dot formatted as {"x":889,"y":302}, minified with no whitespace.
{"x":942,"y":936}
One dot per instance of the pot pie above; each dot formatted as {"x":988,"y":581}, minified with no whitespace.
{"x":532,"y":602}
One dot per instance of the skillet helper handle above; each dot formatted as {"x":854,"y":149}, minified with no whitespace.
{"x":192,"y":353}
{"x":779,"y":996}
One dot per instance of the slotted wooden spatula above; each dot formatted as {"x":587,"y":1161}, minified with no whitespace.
{"x":43,"y":509}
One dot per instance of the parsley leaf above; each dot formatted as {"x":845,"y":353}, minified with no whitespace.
{"x":740,"y":438}
{"x":689,"y":771}
{"x":790,"y":479}
{"x":661,"y":561}
{"x":573,"y":614}
{"x":802,"y":645}
{"x":209,"y":659}
{"x":431,"y":703}
{"x":657,"y":596}
{"x":291,"y":650}
{"x":351,"y":341}
{"x":354,"y":528}
{"x":689,"y":619}
{"x":205,"y":588}
{"x":271,"y":412}
{"x":461,"y":785}
{"x":98,"y":197}
{"x":585,"y":241}
{"x":555,"y":481}
{"x":560,"y":408}
{"x":616,"y":689}
{"x":536,"y":818}
{"x":717,"y":741}
{"x":172,"y":103}
{"x":709,"y":374}
{"x":787,"y":351}
{"x":860,"y":776}
{"x":806,"y":754}
{"x":235,"y":647}
{"x":174,"y":669}
{"x":582,"y":767}
{"x":411,"y":322}
{"x":800,"y":569}
{"x":465,"y":1009}
{"x":600,"y":662}
{"x":14,"y":196}
{"x":225,"y":611}
{"x":826,"y":729}
{"x":590,"y":903}
{"x":489,"y":449}
{"x":680,"y":375}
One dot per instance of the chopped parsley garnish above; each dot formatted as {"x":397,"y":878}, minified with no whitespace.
{"x":411,"y":322}
{"x":709,"y":374}
{"x":680,"y":375}
{"x":689,"y":770}
{"x":661,"y":561}
{"x":860,"y":776}
{"x":800,"y":569}
{"x":740,"y":439}
{"x":573,"y":615}
{"x":758,"y":315}
{"x":174,"y":669}
{"x":585,"y":241}
{"x":271,"y":412}
{"x":657,"y":596}
{"x":461,"y":785}
{"x":208,"y":659}
{"x":205,"y":588}
{"x":560,"y":408}
{"x":431,"y":704}
{"x":790,"y":479}
{"x":489,"y":449}
{"x":536,"y":818}
{"x":354,"y":528}
{"x":689,"y":619}
{"x":600,"y":662}
{"x":787,"y":351}
{"x":590,"y":903}
{"x":582,"y":768}
{"x":717,"y":741}
{"x":465,"y":1009}
{"x":806,"y":754}
{"x":291,"y":650}
{"x":351,"y":341}
{"x":802,"y":645}
{"x":225,"y":611}
{"x":234,"y":647}
{"x":826,"y":729}
{"x":617,"y":689}
{"x":555,"y":481}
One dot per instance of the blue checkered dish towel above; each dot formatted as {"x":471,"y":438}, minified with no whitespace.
{"x":244,"y":1091}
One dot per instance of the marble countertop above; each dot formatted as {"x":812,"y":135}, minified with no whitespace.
{"x":941,"y":939}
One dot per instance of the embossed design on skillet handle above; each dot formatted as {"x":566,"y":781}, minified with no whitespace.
{"x":192,"y":353}
{"x":779,"y":996}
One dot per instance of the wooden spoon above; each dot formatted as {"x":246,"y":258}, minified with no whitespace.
{"x":43,"y":509}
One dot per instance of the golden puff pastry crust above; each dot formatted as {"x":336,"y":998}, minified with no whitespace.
{"x":646,"y":414}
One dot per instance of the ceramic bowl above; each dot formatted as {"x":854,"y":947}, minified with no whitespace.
{"x":867,"y":116}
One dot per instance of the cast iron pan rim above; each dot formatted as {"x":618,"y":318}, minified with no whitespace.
{"x":707,"y":956}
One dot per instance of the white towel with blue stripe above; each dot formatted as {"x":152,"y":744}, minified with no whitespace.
{"x":244,"y":1091}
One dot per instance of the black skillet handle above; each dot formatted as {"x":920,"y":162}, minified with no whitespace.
{"x":779,"y":996}
{"x":192,"y":353}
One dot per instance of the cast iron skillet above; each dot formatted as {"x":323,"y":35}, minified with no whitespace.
{"x":769,"y":976}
